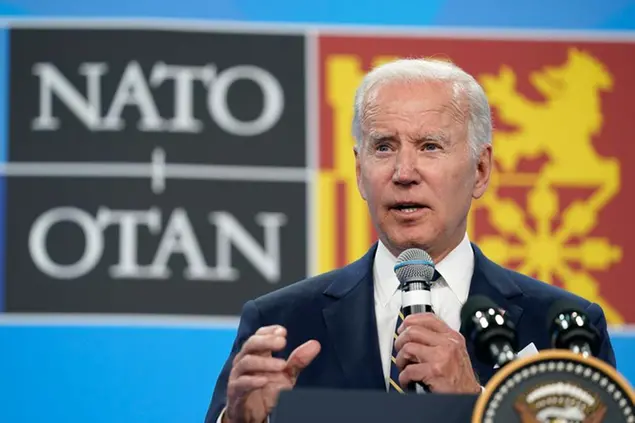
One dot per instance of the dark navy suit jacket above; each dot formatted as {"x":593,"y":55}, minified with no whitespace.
{"x":337,"y":309}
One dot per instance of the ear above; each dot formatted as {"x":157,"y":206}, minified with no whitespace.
{"x":483,"y":171}
{"x":358,"y":171}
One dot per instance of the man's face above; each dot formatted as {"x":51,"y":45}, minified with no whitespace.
{"x":415,"y":167}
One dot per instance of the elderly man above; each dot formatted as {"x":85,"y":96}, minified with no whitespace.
{"x":423,"y":152}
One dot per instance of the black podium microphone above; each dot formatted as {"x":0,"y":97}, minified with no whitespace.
{"x":570,"y":329}
{"x":415,"y":270}
{"x":491,"y":332}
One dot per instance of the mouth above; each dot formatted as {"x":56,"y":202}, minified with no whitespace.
{"x":408,"y":207}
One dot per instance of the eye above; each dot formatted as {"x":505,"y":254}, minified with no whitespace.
{"x":382,"y":148}
{"x":430,"y":147}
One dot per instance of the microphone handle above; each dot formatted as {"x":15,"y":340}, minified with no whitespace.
{"x":418,"y":388}
{"x":417,"y":288}
{"x":407,"y":311}
{"x":416,"y":298}
{"x":417,"y":308}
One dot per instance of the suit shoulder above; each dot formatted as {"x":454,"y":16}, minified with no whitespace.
{"x":537,"y":298}
{"x":296,"y":293}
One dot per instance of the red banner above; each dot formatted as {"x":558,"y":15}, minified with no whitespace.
{"x":559,"y":201}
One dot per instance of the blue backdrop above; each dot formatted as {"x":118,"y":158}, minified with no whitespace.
{"x":163,"y":371}
{"x":563,"y":14}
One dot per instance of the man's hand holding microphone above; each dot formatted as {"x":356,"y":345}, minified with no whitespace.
{"x":257,"y":377}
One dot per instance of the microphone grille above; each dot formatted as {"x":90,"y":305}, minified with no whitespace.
{"x":562,"y":306}
{"x":474,"y":304}
{"x":414,"y":263}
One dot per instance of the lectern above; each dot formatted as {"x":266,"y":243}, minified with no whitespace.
{"x":340,"y":406}
{"x":552,"y":385}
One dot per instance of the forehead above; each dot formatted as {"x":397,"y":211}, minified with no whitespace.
{"x":420,"y":103}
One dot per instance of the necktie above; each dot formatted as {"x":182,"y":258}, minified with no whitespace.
{"x":394,"y":385}
{"x":394,"y":371}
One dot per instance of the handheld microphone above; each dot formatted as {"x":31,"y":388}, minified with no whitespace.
{"x":570,"y":329}
{"x":491,"y":332}
{"x":415,"y":270}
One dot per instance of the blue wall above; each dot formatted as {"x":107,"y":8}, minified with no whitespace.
{"x":107,"y":374}
{"x":563,"y":14}
{"x":135,"y":374}
{"x":157,"y":371}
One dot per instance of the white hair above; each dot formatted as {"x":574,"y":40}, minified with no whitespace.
{"x":464,"y":87}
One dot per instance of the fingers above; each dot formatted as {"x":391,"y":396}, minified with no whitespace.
{"x":250,"y":364}
{"x":425,"y":340}
{"x":246,"y":383}
{"x":425,"y":320}
{"x":440,"y":379}
{"x":302,"y":356}
{"x":253,"y":372}
{"x":273,"y":383}
{"x":419,"y":335}
{"x":278,"y":382}
{"x":419,"y":339}
{"x":422,"y":372}
{"x":415,"y":353}
{"x":257,"y":377}
{"x":255,"y":358}
{"x":438,"y":358}
{"x":264,"y":341}
{"x":257,"y":373}
{"x":272,"y":330}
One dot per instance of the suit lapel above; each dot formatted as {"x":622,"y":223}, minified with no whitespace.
{"x":494,"y":282}
{"x":351,"y":324}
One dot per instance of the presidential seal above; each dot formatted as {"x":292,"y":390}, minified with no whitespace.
{"x":556,"y":386}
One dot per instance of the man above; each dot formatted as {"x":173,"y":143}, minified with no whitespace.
{"x":423,"y":152}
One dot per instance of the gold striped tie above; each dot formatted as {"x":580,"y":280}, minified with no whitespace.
{"x":394,"y":371}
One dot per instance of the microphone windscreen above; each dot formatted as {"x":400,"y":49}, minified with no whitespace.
{"x":414,"y":263}
{"x":562,"y":306}
{"x":472,"y":305}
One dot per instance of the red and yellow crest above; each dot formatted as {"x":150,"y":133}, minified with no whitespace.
{"x":559,"y":202}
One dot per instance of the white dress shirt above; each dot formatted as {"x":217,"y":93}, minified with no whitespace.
{"x":448,"y":294}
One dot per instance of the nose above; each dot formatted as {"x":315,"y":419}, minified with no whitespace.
{"x":406,"y":172}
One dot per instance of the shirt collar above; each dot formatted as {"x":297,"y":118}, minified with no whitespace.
{"x":386,"y":282}
{"x":456,"y":270}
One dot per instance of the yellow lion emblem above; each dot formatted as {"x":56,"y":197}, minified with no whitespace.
{"x":561,"y":129}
